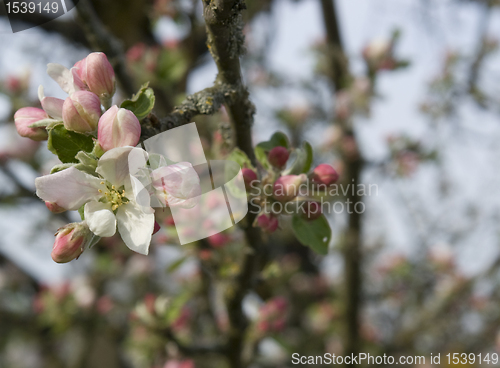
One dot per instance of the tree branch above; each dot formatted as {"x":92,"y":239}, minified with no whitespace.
{"x":338,"y":61}
{"x":206,"y":102}
{"x":226,"y":43}
{"x":340,"y":78}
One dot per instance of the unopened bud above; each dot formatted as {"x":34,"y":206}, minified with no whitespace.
{"x":324,"y":174}
{"x":98,"y":75}
{"x":54,"y":207}
{"x":287,"y":187}
{"x":312,"y":210}
{"x":27,"y":116}
{"x":268,"y":223}
{"x":249,"y":177}
{"x":81,"y":112}
{"x":278,"y":157}
{"x":70,"y":242}
{"x":118,"y":128}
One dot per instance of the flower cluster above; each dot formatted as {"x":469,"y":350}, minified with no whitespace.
{"x":95,"y":142}
{"x":272,"y":315}
{"x":290,"y":183}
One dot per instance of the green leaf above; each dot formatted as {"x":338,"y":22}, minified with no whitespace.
{"x":81,"y":212}
{"x":277,"y":139}
{"x":303,"y":160}
{"x":60,"y":167}
{"x":141,"y":103}
{"x":240,"y":158}
{"x":66,"y":144}
{"x":261,"y":155}
{"x":315,"y":234}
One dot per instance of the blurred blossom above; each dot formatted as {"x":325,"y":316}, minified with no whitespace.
{"x":179,"y":364}
{"x":136,"y":52}
{"x":442,"y":256}
{"x":320,"y":317}
{"x":104,"y":305}
{"x":18,"y":147}
{"x":272,"y":315}
{"x":218,"y":240}
{"x":182,"y":321}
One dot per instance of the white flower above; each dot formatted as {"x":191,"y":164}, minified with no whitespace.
{"x":110,"y":201}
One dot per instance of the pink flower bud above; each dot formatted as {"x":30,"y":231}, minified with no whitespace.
{"x":25,"y":117}
{"x":218,"y":240}
{"x":118,"y":128}
{"x":268,"y":223}
{"x":249,"y":177}
{"x":312,"y":210}
{"x":81,"y":112}
{"x":54,"y":207}
{"x":70,"y":242}
{"x":278,"y":157}
{"x":324,"y":174}
{"x":287,"y":187}
{"x":97,"y":74}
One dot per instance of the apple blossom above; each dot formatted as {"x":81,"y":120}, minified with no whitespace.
{"x":287,"y":187}
{"x":177,"y":185}
{"x":324,"y":174}
{"x":51,"y":105}
{"x":118,"y":128}
{"x":312,"y":210}
{"x":68,"y":80}
{"x":278,"y":157}
{"x":109,"y":200}
{"x":81,"y":112}
{"x":71,"y":240}
{"x":267,"y":222}
{"x":97,"y":75}
{"x":249,"y":177}
{"x":27,"y":116}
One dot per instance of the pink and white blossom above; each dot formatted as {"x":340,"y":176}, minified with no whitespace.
{"x":81,"y":112}
{"x":118,"y":128}
{"x":109,"y":200}
{"x":27,"y":116}
{"x":177,"y":185}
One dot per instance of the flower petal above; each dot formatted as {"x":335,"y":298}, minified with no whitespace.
{"x":135,"y":227}
{"x":70,"y":188}
{"x":179,"y":184}
{"x":100,"y":218}
{"x":51,"y":105}
{"x":62,"y":76}
{"x":114,"y":165}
